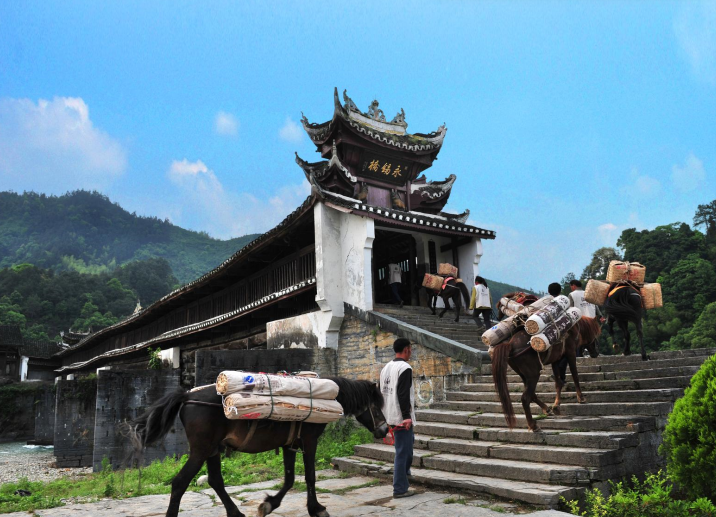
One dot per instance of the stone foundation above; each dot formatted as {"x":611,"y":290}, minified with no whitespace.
{"x":74,"y":422}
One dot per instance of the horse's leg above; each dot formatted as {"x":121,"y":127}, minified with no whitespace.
{"x":528,"y":395}
{"x":624,"y":326}
{"x":271,"y":502}
{"x":433,"y":302}
{"x":572,"y":360}
{"x":310,"y":443}
{"x":610,"y":327}
{"x":558,"y":385}
{"x":181,"y":481}
{"x":640,"y":336}
{"x":456,"y":301}
{"x":446,"y":303}
{"x":216,"y":481}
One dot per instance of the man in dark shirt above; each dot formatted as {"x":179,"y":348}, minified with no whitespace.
{"x":396,"y":384}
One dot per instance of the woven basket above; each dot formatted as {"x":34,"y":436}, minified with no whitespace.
{"x":447,"y":270}
{"x":651,"y":296}
{"x":433,"y":282}
{"x":596,"y":292}
{"x":632,"y":271}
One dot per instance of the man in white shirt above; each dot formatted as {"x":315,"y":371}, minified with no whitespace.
{"x":576,"y":299}
{"x":395,"y":280}
{"x":396,"y":385}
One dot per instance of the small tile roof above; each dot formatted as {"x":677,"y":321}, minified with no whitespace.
{"x":10,"y":336}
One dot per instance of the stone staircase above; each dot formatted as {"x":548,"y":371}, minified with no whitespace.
{"x":464,"y":442}
{"x":463,"y":331}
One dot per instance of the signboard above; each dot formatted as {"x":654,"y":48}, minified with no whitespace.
{"x":383,"y":168}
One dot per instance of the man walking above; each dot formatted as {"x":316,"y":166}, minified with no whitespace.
{"x":481,"y":302}
{"x":396,"y":384}
{"x":395,"y":280}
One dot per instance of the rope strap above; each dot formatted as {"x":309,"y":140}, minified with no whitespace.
{"x":310,"y":396}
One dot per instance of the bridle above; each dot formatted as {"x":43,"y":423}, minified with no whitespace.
{"x":372,"y":417}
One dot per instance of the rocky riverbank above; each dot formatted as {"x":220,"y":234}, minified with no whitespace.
{"x":35,"y":463}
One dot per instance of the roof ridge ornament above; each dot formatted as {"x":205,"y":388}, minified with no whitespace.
{"x":375,"y":112}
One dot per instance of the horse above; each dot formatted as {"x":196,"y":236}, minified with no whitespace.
{"x":623,"y":305}
{"x":523,"y":359}
{"x":209,"y":433}
{"x":452,"y":289}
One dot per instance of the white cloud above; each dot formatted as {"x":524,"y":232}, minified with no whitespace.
{"x":291,"y":131}
{"x":695,"y":30}
{"x":53,"y":146}
{"x":206,"y":205}
{"x":642,"y":184}
{"x":689,"y":176}
{"x":226,"y":124}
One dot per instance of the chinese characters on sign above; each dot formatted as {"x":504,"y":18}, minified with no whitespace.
{"x":384,"y":169}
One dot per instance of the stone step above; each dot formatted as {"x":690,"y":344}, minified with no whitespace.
{"x":541,"y":495}
{"x":461,"y":424}
{"x":591,"y":367}
{"x":678,"y":371}
{"x":666,"y":394}
{"x":578,"y":456}
{"x":626,"y":384}
{"x":636,"y":358}
{"x":481,"y":466}
{"x":570,"y":409}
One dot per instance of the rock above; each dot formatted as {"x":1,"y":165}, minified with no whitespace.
{"x":203,"y":480}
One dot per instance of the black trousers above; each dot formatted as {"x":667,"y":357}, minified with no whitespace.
{"x":395,"y":287}
{"x":486,"y":316}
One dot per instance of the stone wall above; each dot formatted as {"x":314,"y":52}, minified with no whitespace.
{"x":44,"y":416}
{"x":74,"y":422}
{"x":124,"y":395}
{"x":364,"y":350}
{"x":209,"y":363}
{"x":17,"y":419}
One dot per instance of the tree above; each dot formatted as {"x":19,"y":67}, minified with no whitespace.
{"x":599,"y":265}
{"x":566,"y":279}
{"x":701,"y":335}
{"x":706,"y":216}
{"x":690,"y":286}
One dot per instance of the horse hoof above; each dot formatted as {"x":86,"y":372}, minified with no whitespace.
{"x":582,"y":400}
{"x":536,"y":429}
{"x":323,"y":513}
{"x":645,"y":357}
{"x":264,"y":509}
{"x":555,"y":410}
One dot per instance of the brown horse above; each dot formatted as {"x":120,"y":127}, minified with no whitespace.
{"x":519,"y":355}
{"x":209,"y":433}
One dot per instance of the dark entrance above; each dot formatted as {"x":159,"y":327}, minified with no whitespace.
{"x":394,"y":247}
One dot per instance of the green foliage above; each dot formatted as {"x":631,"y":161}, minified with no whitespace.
{"x":599,"y":264}
{"x":690,"y":435}
{"x":155,"y":358}
{"x":701,"y":335}
{"x":690,"y":286}
{"x":655,"y":497}
{"x":339,"y":439}
{"x":85,"y":232}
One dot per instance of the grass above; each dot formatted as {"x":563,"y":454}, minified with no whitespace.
{"x":455,"y":500}
{"x":339,"y":439}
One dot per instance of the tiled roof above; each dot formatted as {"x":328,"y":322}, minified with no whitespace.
{"x":10,"y":335}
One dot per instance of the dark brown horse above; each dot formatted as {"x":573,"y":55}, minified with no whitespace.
{"x":623,"y":305}
{"x":209,"y":433}
{"x":528,"y":364}
{"x":451,"y":291}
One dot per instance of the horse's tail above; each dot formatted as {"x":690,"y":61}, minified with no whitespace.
{"x":589,"y":329}
{"x":156,"y":422}
{"x":501,"y":354}
{"x":465,"y":294}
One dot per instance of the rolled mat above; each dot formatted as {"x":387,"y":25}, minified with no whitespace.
{"x":229,"y":382}
{"x":447,"y":270}
{"x":651,"y":296}
{"x":433,"y":282}
{"x":546,"y":315}
{"x":556,"y":331}
{"x":246,"y":406}
{"x":509,"y":307}
{"x":596,"y":292}
{"x":529,"y":310}
{"x":622,"y":270}
{"x":504,"y":329}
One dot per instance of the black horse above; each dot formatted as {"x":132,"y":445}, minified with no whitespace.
{"x":210,"y":433}
{"x":622,"y":306}
{"x":451,"y":290}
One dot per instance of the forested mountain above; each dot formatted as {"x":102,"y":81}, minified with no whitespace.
{"x":85,"y":232}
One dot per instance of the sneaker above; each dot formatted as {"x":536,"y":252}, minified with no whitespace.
{"x":404,"y":494}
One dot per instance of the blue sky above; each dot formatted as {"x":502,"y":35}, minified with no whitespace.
{"x":567,"y":121}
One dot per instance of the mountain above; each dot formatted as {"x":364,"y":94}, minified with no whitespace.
{"x":85,"y":232}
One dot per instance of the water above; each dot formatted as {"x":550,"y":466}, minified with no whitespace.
{"x":23,"y":448}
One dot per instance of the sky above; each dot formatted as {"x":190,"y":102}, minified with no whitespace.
{"x":567,"y":121}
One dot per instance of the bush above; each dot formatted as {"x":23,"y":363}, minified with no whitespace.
{"x":690,"y":435}
{"x":652,"y":498}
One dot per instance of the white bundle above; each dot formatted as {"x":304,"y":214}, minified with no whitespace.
{"x":510,"y":307}
{"x":247,"y":406}
{"x":229,"y":382}
{"x":547,"y":314}
{"x":556,"y":330}
{"x":504,"y":329}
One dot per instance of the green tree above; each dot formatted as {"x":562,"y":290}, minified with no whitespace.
{"x":690,"y":286}
{"x":701,"y":335}
{"x":706,"y":216}
{"x":689,"y":440}
{"x":660,"y":325}
{"x":599,"y":264}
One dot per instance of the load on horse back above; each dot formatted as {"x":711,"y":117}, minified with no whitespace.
{"x":528,"y":364}
{"x":623,"y":305}
{"x":449,"y":289}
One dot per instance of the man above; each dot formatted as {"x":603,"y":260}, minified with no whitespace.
{"x":481,"y":302}
{"x":554,"y":289}
{"x":576,"y":299}
{"x":394,"y":279}
{"x":396,"y":384}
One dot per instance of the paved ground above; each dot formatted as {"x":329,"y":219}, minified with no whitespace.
{"x":347,"y":497}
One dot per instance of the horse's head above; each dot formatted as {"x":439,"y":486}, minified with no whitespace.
{"x":592,"y":348}
{"x":372,"y":417}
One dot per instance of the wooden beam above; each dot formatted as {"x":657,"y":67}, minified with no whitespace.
{"x":455,"y":243}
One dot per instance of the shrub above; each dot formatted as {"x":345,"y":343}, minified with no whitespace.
{"x":690,"y":435}
{"x":652,"y":498}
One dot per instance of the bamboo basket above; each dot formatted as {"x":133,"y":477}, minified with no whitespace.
{"x":433,"y":282}
{"x":596,"y":292}
{"x":620,"y":270}
{"x":447,"y":270}
{"x":651,"y":296}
